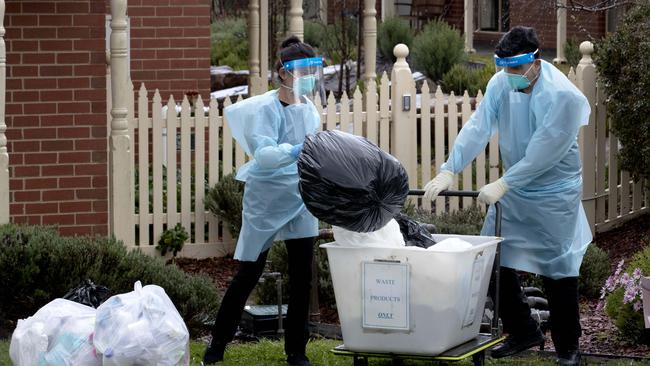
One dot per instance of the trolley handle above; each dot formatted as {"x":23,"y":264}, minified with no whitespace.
{"x":473,"y":194}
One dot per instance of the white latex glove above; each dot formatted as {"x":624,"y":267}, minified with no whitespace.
{"x":440,"y":183}
{"x":491,"y":193}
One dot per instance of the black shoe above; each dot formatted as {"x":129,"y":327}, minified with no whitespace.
{"x":298,"y":360}
{"x":213,"y":354}
{"x":568,"y":359}
{"x":516,"y":344}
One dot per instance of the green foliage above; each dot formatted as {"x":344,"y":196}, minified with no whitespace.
{"x":37,"y":265}
{"x":392,"y":32}
{"x":594,"y":271}
{"x":627,"y":319}
{"x":225,"y":201}
{"x":437,"y":48}
{"x":172,"y":240}
{"x":314,"y":33}
{"x":229,"y":41}
{"x":572,"y":52}
{"x":623,"y":63}
{"x":467,"y":221}
{"x":461,"y":77}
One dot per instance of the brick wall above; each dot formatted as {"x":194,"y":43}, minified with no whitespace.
{"x":170,"y":46}
{"x":56,"y":97}
{"x":56,"y":114}
{"x":540,"y":15}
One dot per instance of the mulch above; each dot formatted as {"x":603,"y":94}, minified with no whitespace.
{"x":599,"y":333}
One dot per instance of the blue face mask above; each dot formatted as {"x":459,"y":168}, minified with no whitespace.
{"x":304,"y":85}
{"x":519,"y":82}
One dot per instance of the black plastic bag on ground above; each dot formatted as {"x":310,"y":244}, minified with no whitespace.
{"x":347,"y":181}
{"x":89,"y":294}
{"x":414,"y":233}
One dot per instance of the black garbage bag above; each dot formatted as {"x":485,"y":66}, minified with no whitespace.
{"x":347,"y":181}
{"x":89,"y":294}
{"x":414,"y":233}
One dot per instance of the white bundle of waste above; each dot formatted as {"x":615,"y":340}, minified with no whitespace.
{"x":387,"y":236}
{"x":451,"y":245}
{"x":59,"y":334}
{"x":141,"y":328}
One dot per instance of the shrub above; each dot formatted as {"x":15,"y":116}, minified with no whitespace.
{"x":392,"y":32}
{"x":461,"y":77}
{"x":225,"y":200}
{"x":572,"y":52}
{"x":593,"y":272}
{"x":623,"y":63}
{"x":437,"y":48}
{"x":37,"y":265}
{"x":230,"y":43}
{"x":622,"y":297}
{"x":467,"y":221}
{"x":314,"y":33}
{"x":172,"y":240}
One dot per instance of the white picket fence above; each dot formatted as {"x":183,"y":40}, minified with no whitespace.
{"x":438,"y":118}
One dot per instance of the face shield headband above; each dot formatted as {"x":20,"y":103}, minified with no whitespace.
{"x":515,"y":60}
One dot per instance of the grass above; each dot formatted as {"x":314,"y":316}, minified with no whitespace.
{"x":269,"y":353}
{"x":4,"y":353}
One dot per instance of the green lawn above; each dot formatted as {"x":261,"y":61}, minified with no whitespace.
{"x":270,"y":353}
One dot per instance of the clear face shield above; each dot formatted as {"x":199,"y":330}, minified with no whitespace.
{"x":523,"y":64}
{"x":304,"y":78}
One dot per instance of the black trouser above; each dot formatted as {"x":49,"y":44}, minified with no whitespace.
{"x":562,"y":296}
{"x":300,"y":253}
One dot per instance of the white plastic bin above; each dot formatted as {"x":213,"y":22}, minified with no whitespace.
{"x":411,"y":300}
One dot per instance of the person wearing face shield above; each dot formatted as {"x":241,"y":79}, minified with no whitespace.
{"x":271,"y":129}
{"x":537,"y":113}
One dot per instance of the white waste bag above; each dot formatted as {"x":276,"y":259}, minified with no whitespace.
{"x":450,"y":245}
{"x":141,"y":328}
{"x":59,"y":334}
{"x":387,"y":236}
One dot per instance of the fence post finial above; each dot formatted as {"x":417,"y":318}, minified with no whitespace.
{"x":586,"y":49}
{"x":401,"y":51}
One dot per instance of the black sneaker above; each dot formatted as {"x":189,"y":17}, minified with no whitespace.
{"x":515,"y":344}
{"x":298,"y":360}
{"x":569,"y":359}
{"x":213,"y":354}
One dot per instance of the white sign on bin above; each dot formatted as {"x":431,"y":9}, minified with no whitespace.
{"x":385,"y":287}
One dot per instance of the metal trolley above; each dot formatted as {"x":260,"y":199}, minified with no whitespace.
{"x":475,"y":348}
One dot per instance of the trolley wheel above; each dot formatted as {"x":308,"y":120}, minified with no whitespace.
{"x":479,"y":358}
{"x":360,"y":361}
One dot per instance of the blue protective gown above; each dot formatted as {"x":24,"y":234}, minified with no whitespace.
{"x":544,"y":224}
{"x":273,"y":208}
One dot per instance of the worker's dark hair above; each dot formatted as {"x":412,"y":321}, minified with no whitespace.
{"x":517,"y":41}
{"x":293,"y":49}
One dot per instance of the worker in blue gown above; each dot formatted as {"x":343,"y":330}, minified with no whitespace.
{"x":537,"y":113}
{"x":271,"y":129}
